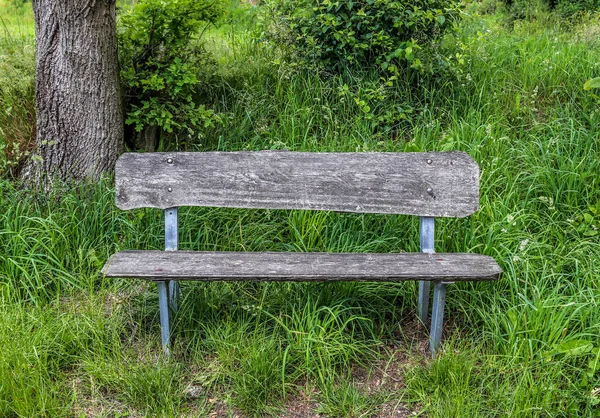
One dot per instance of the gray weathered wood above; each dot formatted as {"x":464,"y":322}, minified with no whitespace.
{"x":162,"y":265}
{"x":425,"y":184}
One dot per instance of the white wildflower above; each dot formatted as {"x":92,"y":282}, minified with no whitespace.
{"x":523,"y":244}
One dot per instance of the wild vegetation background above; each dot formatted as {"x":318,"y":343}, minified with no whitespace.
{"x":74,"y":344}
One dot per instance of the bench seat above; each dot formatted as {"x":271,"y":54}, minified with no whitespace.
{"x":298,"y":266}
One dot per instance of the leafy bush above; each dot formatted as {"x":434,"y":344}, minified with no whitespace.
{"x":388,"y":34}
{"x":486,"y":7}
{"x":162,"y":61}
{"x":526,"y":9}
{"x":567,"y":8}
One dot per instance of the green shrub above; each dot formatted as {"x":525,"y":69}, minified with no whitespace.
{"x":567,"y":8}
{"x":163,"y":61}
{"x":486,"y":7}
{"x":526,"y":9}
{"x":386,"y":34}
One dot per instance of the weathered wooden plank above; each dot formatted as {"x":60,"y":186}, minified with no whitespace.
{"x":161,"y":265}
{"x":424,"y":184}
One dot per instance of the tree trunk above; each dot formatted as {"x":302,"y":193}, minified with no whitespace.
{"x":79,"y":110}
{"x":147,"y":139}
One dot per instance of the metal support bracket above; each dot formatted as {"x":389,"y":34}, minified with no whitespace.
{"x":437,"y":317}
{"x":171,"y":242}
{"x":165,"y":328}
{"x":427,"y":233}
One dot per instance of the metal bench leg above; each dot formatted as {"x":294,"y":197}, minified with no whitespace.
{"x":173,"y":295}
{"x":165,"y":330}
{"x":423,"y":304}
{"x":171,"y":242}
{"x":437,"y":317}
{"x":427,"y":235}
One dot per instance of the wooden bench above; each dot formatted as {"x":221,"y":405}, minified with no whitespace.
{"x":424,"y":184}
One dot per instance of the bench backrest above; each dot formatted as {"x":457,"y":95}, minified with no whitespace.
{"x":430,"y":184}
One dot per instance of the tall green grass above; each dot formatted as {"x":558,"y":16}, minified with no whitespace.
{"x":17,"y":85}
{"x":528,"y":345}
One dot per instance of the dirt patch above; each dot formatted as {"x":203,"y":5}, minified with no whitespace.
{"x":395,"y":410}
{"x":91,"y":403}
{"x":301,"y":409}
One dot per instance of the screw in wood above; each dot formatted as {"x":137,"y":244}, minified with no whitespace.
{"x":170,"y":189}
{"x":169,"y":161}
{"x":429,"y":161}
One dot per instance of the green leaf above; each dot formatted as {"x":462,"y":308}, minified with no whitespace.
{"x":449,"y":145}
{"x":594,"y":363}
{"x":593,"y":83}
{"x":574,"y":348}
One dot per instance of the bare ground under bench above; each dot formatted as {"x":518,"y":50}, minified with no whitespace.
{"x":272,"y":266}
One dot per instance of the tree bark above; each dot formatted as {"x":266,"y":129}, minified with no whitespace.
{"x":79,"y":109}
{"x":147,"y":139}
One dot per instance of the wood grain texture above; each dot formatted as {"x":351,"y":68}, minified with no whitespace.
{"x":424,"y":184}
{"x":211,"y":266}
